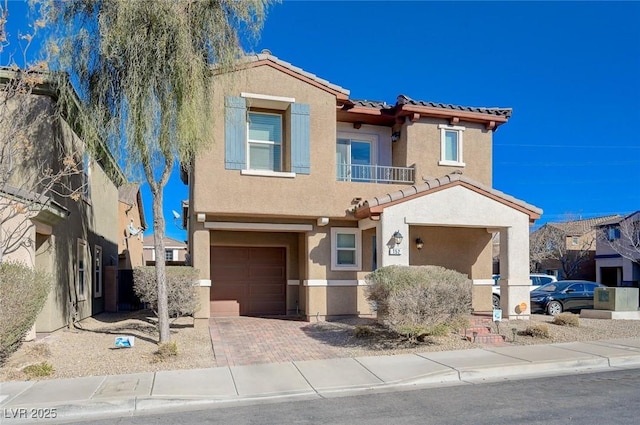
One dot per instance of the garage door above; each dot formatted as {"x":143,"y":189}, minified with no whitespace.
{"x":248,"y":281}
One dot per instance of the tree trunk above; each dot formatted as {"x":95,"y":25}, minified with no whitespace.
{"x":161,"y":275}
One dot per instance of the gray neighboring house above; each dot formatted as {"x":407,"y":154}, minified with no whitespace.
{"x":75,"y":240}
{"x":618,"y":251}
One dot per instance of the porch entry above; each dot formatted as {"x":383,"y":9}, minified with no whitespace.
{"x":248,"y":281}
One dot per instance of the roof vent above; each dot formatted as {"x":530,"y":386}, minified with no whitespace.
{"x":265,"y":52}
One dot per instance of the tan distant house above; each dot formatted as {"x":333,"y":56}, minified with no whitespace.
{"x":576,"y":259}
{"x":74,"y":238}
{"x":132,"y":226}
{"x":175,"y":252}
{"x":308,"y":190}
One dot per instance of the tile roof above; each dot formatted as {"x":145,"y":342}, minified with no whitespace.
{"x":503,"y":112}
{"x":128,"y":193}
{"x":148,"y":242}
{"x":438,"y":182}
{"x":404,"y":100}
{"x":581,"y":227}
{"x":266,"y":55}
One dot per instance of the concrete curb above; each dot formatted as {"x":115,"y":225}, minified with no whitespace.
{"x":308,"y":380}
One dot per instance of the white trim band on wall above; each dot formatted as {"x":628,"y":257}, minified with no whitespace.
{"x":482,"y":281}
{"x":203,"y":282}
{"x":322,"y":282}
{"x":276,"y":227}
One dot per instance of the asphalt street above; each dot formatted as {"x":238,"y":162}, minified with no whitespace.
{"x":587,"y":399}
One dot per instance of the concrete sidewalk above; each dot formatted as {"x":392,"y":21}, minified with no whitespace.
{"x":126,"y":395}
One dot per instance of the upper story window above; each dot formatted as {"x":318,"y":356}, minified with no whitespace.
{"x":613,"y":233}
{"x":575,"y":240}
{"x":267,"y":135}
{"x":265,"y":141}
{"x":355,"y":158}
{"x":451,"y":145}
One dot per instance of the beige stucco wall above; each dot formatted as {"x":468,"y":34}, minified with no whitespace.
{"x":129,"y":246}
{"x":422,"y":140}
{"x":471,"y":246}
{"x":274,"y":196}
{"x":328,"y":301}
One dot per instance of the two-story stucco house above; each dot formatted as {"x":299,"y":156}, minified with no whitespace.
{"x":306,"y":191}
{"x":618,"y":251}
{"x":74,"y":238}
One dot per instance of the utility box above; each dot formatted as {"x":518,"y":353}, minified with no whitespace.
{"x":616,"y":299}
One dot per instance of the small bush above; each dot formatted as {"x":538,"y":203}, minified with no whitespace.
{"x":416,"y":300}
{"x":39,"y":370}
{"x":182,"y":294}
{"x":23,"y":292}
{"x":539,"y":330}
{"x":362,"y":332}
{"x":166,"y":350}
{"x":566,"y":319}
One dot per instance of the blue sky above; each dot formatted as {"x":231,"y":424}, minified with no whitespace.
{"x":570,"y":71}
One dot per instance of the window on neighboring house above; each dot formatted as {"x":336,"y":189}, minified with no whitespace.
{"x":86,"y":175}
{"x":81,"y":279}
{"x":613,"y":233}
{"x":451,"y":145}
{"x":266,"y":135}
{"x":168,"y":255}
{"x":574,"y":240}
{"x":265,"y":141}
{"x":345,"y":249}
{"x":355,"y":158}
{"x":97,"y":272}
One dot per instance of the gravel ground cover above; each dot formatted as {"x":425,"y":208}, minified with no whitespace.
{"x":89,"y":350}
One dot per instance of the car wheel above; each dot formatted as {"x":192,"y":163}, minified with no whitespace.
{"x":554,"y":307}
{"x":496,"y":302}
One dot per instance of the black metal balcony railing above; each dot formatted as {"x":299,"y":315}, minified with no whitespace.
{"x":375,"y":174}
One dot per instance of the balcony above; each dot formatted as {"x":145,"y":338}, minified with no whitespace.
{"x":375,"y":174}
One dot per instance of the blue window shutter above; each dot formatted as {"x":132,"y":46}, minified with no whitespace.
{"x":235,"y":133}
{"x":300,"y":139}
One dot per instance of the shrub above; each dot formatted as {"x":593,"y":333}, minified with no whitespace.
{"x":39,"y":370}
{"x":566,"y":319}
{"x":362,"y":332}
{"x":539,"y":330}
{"x":182,"y":294}
{"x":417,"y":300}
{"x":23,"y":292}
{"x":166,"y":350}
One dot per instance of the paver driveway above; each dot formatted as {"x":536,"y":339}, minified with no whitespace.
{"x":251,"y":340}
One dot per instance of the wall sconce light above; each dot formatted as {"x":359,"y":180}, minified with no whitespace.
{"x":419,"y":243}
{"x":397,"y":237}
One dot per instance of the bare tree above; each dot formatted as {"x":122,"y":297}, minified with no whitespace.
{"x":549,"y":246}
{"x":623,"y":236}
{"x":143,"y":70}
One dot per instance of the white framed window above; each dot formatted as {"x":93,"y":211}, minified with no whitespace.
{"x":81,"y":278}
{"x":451,"y":145}
{"x":168,"y":254}
{"x":97,"y":271}
{"x":346,"y":252}
{"x":575,"y":240}
{"x":264,"y":144}
{"x":356,"y":157}
{"x":613,"y":233}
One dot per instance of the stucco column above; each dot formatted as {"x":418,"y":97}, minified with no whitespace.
{"x":389,"y":224}
{"x":515,"y":283}
{"x":201,"y":260}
